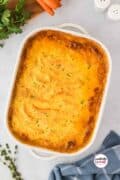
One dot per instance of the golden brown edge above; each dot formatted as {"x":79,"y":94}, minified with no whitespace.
{"x":75,"y":45}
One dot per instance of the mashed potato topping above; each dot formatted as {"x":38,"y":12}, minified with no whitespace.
{"x":58,"y":91}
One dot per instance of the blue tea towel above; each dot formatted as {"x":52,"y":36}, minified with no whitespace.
{"x":87,"y":169}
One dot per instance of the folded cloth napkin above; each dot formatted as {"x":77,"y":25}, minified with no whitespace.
{"x":86,"y":169}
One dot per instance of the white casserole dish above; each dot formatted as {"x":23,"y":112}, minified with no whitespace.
{"x":77,"y":30}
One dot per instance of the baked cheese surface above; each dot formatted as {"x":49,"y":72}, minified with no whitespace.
{"x":58,"y":91}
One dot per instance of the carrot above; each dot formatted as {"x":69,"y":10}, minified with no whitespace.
{"x":53,"y":3}
{"x":46,"y":7}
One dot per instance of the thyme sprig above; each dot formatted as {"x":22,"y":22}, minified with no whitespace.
{"x":8,"y":158}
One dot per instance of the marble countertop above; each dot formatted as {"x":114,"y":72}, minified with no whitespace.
{"x":97,"y":24}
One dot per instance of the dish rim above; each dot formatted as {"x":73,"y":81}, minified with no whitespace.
{"x":103,"y":101}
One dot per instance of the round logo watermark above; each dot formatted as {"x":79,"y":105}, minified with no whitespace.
{"x":100,"y":160}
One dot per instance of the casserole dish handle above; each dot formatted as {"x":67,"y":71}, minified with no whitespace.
{"x":43,"y":155}
{"x":73,"y":27}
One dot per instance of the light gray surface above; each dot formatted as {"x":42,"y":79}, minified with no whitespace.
{"x":97,"y":24}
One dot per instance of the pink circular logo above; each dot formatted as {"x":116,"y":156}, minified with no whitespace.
{"x":100,"y":160}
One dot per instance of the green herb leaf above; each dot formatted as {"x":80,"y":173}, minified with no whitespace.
{"x":11,"y":21}
{"x":3,"y":2}
{"x":20,"y":5}
{"x":5,"y":19}
{"x":8,"y":160}
{"x":1,"y":45}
